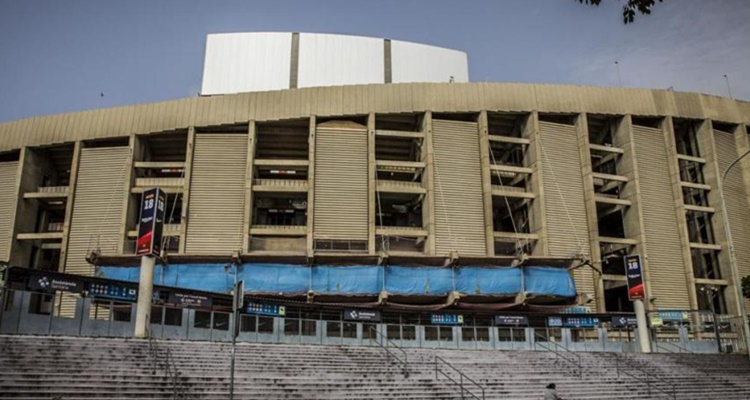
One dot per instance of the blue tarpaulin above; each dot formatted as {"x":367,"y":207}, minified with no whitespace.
{"x":477,"y":280}
{"x":548,"y":281}
{"x":357,"y":279}
{"x":351,"y":280}
{"x":418,"y":280}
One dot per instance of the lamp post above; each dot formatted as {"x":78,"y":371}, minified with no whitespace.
{"x":732,"y":256}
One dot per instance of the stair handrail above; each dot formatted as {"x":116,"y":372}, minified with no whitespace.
{"x":645,"y":379}
{"x":170,"y":367}
{"x":679,"y":348}
{"x":388,"y":353}
{"x":460,"y":382}
{"x":566,"y":354}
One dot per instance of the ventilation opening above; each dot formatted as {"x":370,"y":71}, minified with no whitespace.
{"x":616,"y":297}
{"x":604,"y":163}
{"x":399,"y":210}
{"x":277,"y":243}
{"x":398,"y":148}
{"x":686,"y":137}
{"x":566,"y":119}
{"x":705,"y":263}
{"x":602,"y":129}
{"x":390,"y":244}
{"x":286,"y":140}
{"x":510,"y":214}
{"x":648,"y":122}
{"x":45,"y":259}
{"x":723,"y":127}
{"x":610,"y":221}
{"x":504,"y":153}
{"x":8,"y":156}
{"x":691,"y":171}
{"x":398,"y":122}
{"x":108,"y":142}
{"x":507,"y":124}
{"x":512,"y":247}
{"x":511,"y":180}
{"x":280,"y":209}
{"x":700,"y":227}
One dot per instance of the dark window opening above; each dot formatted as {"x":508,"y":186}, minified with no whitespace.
{"x":610,"y":221}
{"x":686,"y":137}
{"x":691,"y":171}
{"x":712,"y":298}
{"x":700,"y":227}
{"x":565,"y":119}
{"x":649,"y":122}
{"x":399,"y":244}
{"x":705,"y":263}
{"x":281,"y":173}
{"x":510,"y":214}
{"x":616,"y":297}
{"x":285,"y":140}
{"x":202,"y":319}
{"x":398,"y":148}
{"x":510,"y":180}
{"x":396,"y":209}
{"x":507,"y":124}
{"x":604,"y":163}
{"x":612,"y":259}
{"x":398,"y":122}
{"x":280,"y":209}
{"x":122,"y":312}
{"x":41,"y":303}
{"x":512,"y":154}
{"x":695,"y":197}
{"x":602,"y":129}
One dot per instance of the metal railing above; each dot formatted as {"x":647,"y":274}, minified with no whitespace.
{"x":170,"y":368}
{"x":671,"y":347}
{"x":386,"y":344}
{"x":649,"y":379}
{"x":561,"y":352}
{"x":461,"y":379}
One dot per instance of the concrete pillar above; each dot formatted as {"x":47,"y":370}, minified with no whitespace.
{"x":533,"y":160}
{"x":484,"y":159}
{"x":247,"y":219}
{"x":428,"y":207}
{"x":188,"y":172}
{"x":371,"y":185}
{"x":69,"y":205}
{"x":145,"y":293}
{"x":311,"y":187}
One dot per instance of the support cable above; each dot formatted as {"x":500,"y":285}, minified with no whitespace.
{"x":507,"y":204}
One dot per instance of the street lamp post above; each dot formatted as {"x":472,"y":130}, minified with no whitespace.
{"x":732,"y":256}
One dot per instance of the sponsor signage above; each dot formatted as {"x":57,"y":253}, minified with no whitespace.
{"x":45,"y":282}
{"x":273,"y":310}
{"x":111,"y":291}
{"x":673,"y":315}
{"x":446,"y":319}
{"x":190,"y":300}
{"x":634,"y":272}
{"x":573,"y":322}
{"x":151,"y":222}
{"x":362,"y":315}
{"x":508,"y":320}
{"x":624,"y":322}
{"x":577,"y":310}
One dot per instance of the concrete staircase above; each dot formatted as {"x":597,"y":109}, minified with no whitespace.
{"x":66,"y":368}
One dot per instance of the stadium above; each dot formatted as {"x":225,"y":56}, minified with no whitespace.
{"x":363,"y":187}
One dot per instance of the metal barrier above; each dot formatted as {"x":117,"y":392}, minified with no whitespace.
{"x":384,"y":344}
{"x":461,"y":378}
{"x":566,"y":354}
{"x":671,"y":347}
{"x":170,"y":367}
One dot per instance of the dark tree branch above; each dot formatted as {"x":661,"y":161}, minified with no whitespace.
{"x":630,"y":8}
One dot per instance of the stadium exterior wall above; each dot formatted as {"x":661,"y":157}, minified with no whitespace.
{"x":554,"y":121}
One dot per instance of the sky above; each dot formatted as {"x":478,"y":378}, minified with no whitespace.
{"x":59,"y":56}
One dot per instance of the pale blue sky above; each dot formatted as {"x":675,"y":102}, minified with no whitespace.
{"x":57,"y":56}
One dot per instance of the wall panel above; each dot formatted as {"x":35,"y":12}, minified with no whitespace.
{"x":666,"y":269}
{"x":97,"y":207}
{"x":9,"y":185}
{"x":459,"y":207}
{"x":217,"y":194}
{"x":341,"y":191}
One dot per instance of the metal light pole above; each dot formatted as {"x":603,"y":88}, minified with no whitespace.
{"x":619,"y":78}
{"x":729,"y":89}
{"x":732,"y":256}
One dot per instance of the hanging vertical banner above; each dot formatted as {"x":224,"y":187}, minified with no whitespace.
{"x":151,"y":222}
{"x":634,"y":271}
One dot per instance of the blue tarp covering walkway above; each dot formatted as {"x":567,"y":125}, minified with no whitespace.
{"x":358,"y":279}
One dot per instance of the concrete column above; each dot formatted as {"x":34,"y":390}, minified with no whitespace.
{"x":643,"y":337}
{"x":311,"y":186}
{"x":145,"y":293}
{"x":743,"y":145}
{"x":484,"y":159}
{"x":69,"y":205}
{"x":371,"y":185}
{"x":131,"y":208}
{"x":247,"y":219}
{"x":188,"y":172}
{"x":674,"y":173}
{"x":633,"y":220}
{"x":537,"y":217}
{"x":582,"y":129}
{"x":428,"y":207}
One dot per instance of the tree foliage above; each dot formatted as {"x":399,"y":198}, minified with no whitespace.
{"x":630,"y":8}
{"x":746,"y":287}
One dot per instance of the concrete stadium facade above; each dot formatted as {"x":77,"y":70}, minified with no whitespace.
{"x":420,"y":171}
